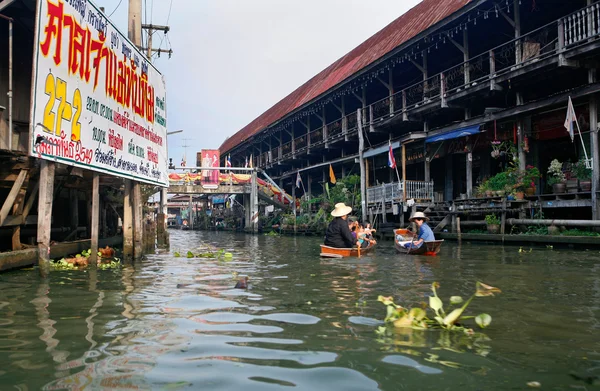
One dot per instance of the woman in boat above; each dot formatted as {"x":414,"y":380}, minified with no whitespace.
{"x":425,"y":234}
{"x":338,"y":233}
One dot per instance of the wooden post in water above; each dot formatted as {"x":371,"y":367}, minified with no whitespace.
{"x":162,"y":217}
{"x":137,"y":221}
{"x":46,"y":190}
{"x":503,"y":218}
{"x":127,"y":222}
{"x":95,"y":219}
{"x":254,"y":203}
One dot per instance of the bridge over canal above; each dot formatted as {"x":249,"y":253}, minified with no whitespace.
{"x":232,"y":180}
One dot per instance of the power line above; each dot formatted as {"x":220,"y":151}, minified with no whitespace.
{"x":169,"y":14}
{"x":111,"y":14}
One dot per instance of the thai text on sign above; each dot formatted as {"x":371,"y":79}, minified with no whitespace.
{"x":97,"y":101}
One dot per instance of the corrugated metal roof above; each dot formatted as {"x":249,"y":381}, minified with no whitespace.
{"x":416,"y":20}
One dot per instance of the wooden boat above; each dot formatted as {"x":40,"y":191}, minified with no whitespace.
{"x":332,"y":252}
{"x":428,"y":248}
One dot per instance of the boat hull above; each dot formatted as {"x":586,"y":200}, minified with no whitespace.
{"x":332,"y":252}
{"x":428,"y":248}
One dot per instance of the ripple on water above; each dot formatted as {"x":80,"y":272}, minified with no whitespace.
{"x":208,"y":374}
{"x":409,"y":362}
{"x":233,"y":317}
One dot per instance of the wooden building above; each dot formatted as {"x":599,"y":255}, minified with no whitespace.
{"x":61,"y":189}
{"x":444,"y":85}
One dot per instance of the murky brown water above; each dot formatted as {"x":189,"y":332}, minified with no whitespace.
{"x":305,"y":323}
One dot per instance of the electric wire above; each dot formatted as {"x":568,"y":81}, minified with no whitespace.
{"x":116,"y":8}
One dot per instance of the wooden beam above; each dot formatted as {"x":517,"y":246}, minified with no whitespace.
{"x":505,"y":15}
{"x":458,"y":45}
{"x":385,"y":84}
{"x":45,"y":198}
{"x":419,"y":66}
{"x":12,"y":196}
{"x":17,"y":210}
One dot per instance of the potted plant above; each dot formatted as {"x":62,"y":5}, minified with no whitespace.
{"x":493,"y":224}
{"x":583,"y":174}
{"x":556,"y":177}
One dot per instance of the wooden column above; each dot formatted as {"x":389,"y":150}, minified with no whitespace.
{"x":466,"y":56}
{"x":127,"y":221}
{"x":95,"y":219}
{"x":404,"y":173}
{"x":520,"y":144}
{"x":363,"y":177}
{"x":517,"y":21}
{"x":47,"y":169}
{"x":469,"y":174}
{"x":137,"y":221}
{"x":595,"y":154}
{"x":161,"y":229}
{"x":254,"y":202}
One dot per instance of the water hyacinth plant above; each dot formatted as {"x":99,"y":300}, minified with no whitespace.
{"x":417,"y":318}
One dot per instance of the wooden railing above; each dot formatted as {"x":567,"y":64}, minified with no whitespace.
{"x":394,"y":192}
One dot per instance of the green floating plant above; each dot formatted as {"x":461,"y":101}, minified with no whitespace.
{"x":417,"y":318}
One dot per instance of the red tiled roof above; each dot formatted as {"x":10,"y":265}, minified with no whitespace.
{"x":416,"y":20}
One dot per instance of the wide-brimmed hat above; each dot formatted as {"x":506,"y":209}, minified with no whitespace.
{"x":341,"y":210}
{"x":418,"y":215}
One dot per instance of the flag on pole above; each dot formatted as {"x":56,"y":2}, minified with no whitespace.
{"x":246,"y":164}
{"x":298,"y":180}
{"x":571,"y":119}
{"x":250,"y":161}
{"x":228,"y":161}
{"x":391,"y":159}
{"x":183,"y":161}
{"x":331,"y":175}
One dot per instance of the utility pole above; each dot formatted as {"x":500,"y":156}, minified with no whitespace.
{"x":185,"y":147}
{"x":151,"y":28}
{"x":132,"y":219}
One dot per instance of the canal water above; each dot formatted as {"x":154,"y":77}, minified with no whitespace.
{"x":304,"y":323}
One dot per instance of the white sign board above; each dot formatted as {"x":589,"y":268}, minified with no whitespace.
{"x":97,"y":102}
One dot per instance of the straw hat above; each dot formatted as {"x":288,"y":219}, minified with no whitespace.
{"x":341,"y":210}
{"x":418,"y":215}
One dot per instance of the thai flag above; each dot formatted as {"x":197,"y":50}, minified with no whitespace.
{"x":228,"y":161}
{"x":391,"y":159}
{"x":298,"y":180}
{"x":571,"y":119}
{"x":246,"y":164}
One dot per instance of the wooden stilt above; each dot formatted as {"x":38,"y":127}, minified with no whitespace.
{"x":12,"y":196}
{"x":74,"y":208}
{"x":127,"y":222}
{"x":45,"y":215}
{"x":95,"y":219}
{"x":18,"y":210}
{"x":137,"y":221}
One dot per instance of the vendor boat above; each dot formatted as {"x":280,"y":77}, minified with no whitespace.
{"x":428,"y":248}
{"x":332,"y":252}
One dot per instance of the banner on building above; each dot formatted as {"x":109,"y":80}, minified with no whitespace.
{"x":97,"y":102}
{"x":210,"y":158}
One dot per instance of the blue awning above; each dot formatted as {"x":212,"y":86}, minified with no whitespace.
{"x":379,"y":150}
{"x":468,"y":131}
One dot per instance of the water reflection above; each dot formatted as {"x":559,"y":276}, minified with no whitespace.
{"x":304,"y":322}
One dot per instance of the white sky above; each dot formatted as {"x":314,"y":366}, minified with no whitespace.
{"x":234,"y":59}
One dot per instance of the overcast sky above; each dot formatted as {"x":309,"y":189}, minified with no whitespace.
{"x":234,"y":59}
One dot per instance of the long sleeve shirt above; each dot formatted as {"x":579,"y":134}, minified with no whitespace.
{"x":338,"y":234}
